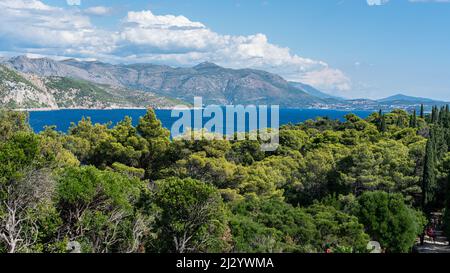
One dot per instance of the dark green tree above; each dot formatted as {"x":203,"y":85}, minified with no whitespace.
{"x":447,"y":209}
{"x":389,"y":220}
{"x":429,"y":184}
{"x":11,"y":122}
{"x":383,"y":125}
{"x":99,"y":209}
{"x":441,"y":115}
{"x":280,"y":227}
{"x":150,"y":127}
{"x":338,"y":230}
{"x":158,"y":138}
{"x":413,"y":119}
{"x":192,"y":216}
{"x":435,"y":115}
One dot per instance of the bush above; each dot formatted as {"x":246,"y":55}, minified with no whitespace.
{"x":389,"y":220}
{"x":192,"y":217}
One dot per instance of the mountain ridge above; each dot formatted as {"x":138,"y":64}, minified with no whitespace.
{"x":27,"y":91}
{"x":217,"y":85}
{"x":165,"y":84}
{"x":406,"y":98}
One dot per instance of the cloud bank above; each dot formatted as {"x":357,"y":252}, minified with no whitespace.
{"x":30,"y":26}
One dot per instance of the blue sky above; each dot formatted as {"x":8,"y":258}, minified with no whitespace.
{"x":352,"y":48}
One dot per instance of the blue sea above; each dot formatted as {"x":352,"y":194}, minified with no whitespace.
{"x":63,"y":118}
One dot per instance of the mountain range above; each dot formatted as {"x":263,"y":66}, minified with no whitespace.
{"x":47,"y":83}
{"x":29,"y":91}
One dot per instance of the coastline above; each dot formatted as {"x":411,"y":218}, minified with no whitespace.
{"x":85,"y":108}
{"x":343,"y":109}
{"x":171,"y":108}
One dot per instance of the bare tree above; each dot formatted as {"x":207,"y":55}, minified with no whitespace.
{"x":197,"y":216}
{"x":141,"y":228}
{"x":109,"y":236}
{"x":18,"y":228}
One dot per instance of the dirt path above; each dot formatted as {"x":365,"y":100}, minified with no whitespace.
{"x":440,"y":245}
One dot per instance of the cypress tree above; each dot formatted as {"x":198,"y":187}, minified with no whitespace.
{"x":430,"y":117}
{"x":383,"y":124}
{"x":447,"y":209}
{"x":441,"y":115}
{"x":422,"y":111}
{"x":400,"y":121}
{"x":446,"y":122}
{"x":434,"y":115}
{"x":380,"y":117}
{"x":414,"y":119}
{"x":429,"y":184}
{"x":439,"y":142}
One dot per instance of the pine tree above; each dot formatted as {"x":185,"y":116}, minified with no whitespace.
{"x":158,"y":139}
{"x":150,"y":127}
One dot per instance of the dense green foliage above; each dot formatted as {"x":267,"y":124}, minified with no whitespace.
{"x":389,"y":220}
{"x":331,"y":186}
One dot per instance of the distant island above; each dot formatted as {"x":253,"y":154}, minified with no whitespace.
{"x":47,"y":84}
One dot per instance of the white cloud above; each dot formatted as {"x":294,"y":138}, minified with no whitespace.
{"x":328,"y":78}
{"x":73,"y":2}
{"x":25,"y":5}
{"x":147,"y":19}
{"x":177,"y":40}
{"x":377,"y":2}
{"x":98,"y":10}
{"x":33,"y":27}
{"x":146,"y":37}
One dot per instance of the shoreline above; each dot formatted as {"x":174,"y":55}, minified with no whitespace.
{"x":170,"y":108}
{"x":83,"y":108}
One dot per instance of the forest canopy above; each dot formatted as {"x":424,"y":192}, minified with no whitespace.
{"x":331,"y":186}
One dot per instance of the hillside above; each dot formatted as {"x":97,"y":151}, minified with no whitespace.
{"x":403,"y":99}
{"x":25,"y":91}
{"x":217,"y":85}
{"x":47,"y":83}
{"x":17,"y":91}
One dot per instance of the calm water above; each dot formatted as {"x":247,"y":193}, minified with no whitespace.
{"x":63,"y":118}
